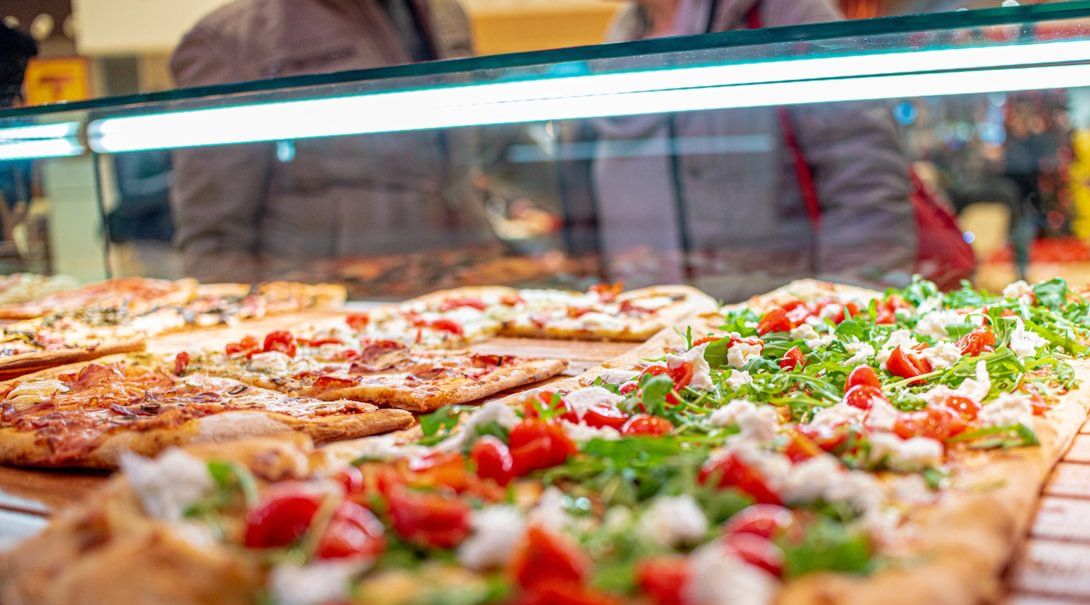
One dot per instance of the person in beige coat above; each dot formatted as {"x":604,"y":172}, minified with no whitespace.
{"x":261,"y":211}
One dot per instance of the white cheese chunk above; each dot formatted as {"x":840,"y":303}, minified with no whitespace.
{"x":617,"y":377}
{"x":973,"y":388}
{"x":757,"y":423}
{"x":738,"y":379}
{"x":496,"y":534}
{"x":934,"y":323}
{"x":905,"y":455}
{"x":841,"y":413}
{"x":741,"y":352}
{"x":881,"y":416}
{"x":720,"y":578}
{"x":942,"y":355}
{"x":1007,"y":410}
{"x":583,"y":399}
{"x":861,"y":353}
{"x":495,"y":411}
{"x":702,"y":372}
{"x":581,"y":433}
{"x":317,"y":583}
{"x":550,"y":511}
{"x":168,"y":484}
{"x":1025,"y":343}
{"x":1020,"y":290}
{"x":386,"y":448}
{"x":673,"y":521}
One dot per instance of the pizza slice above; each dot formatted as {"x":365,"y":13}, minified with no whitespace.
{"x":87,"y":415}
{"x":33,"y":345}
{"x":20,"y":288}
{"x":384,"y":372}
{"x":126,"y":296}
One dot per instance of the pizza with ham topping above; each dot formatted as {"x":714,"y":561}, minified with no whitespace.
{"x":383,"y":372}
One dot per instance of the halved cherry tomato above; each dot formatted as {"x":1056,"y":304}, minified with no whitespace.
{"x":548,"y":558}
{"x":447,"y":325}
{"x":757,"y":551}
{"x":976,"y":342}
{"x":934,"y":422}
{"x":801,"y":447}
{"x":536,"y":445}
{"x":646,"y":424}
{"x":493,"y":460}
{"x":281,"y":341}
{"x":732,"y":471}
{"x":828,"y":438}
{"x":351,"y":479}
{"x":282,"y":518}
{"x":793,"y":359}
{"x":774,"y":321}
{"x":181,"y":363}
{"x":765,"y":520}
{"x":353,"y":531}
{"x":427,"y":518}
{"x":472,"y":302}
{"x":663,"y":580}
{"x":707,"y":339}
{"x":628,"y":387}
{"x":440,"y":469}
{"x":863,"y":396}
{"x":357,"y":321}
{"x":246,"y":346}
{"x":604,"y":414}
{"x":564,"y":594}
{"x":863,"y":375}
{"x":681,"y":374}
{"x":967,"y":408}
{"x":906,"y":365}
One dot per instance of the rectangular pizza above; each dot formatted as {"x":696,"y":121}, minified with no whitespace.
{"x":126,"y":295}
{"x":821,"y":444}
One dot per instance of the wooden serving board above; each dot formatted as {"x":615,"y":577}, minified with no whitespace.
{"x":38,"y":493}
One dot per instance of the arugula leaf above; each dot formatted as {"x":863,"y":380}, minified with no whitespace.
{"x":1052,"y":293}
{"x":716,"y":352}
{"x":920,"y":290}
{"x":960,"y":329}
{"x":828,"y":546}
{"x":444,"y":419}
{"x":997,"y":437}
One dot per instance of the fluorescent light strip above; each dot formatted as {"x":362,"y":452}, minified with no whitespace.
{"x":648,"y":91}
{"x":40,"y":141}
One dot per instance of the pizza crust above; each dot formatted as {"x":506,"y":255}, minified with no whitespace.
{"x":18,"y":365}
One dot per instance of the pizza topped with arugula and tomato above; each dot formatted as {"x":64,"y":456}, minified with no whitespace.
{"x":817,"y":445}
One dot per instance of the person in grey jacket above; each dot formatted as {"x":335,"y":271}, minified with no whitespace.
{"x":722,"y":184}
{"x":261,"y":211}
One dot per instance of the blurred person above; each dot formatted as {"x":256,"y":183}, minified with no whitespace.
{"x":16,"y":50}
{"x":243,"y":213}
{"x":743,"y":223}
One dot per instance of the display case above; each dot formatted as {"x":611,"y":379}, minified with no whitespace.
{"x":736,"y":161}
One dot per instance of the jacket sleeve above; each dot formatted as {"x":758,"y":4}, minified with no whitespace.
{"x":217,"y":192}
{"x":867,"y":232}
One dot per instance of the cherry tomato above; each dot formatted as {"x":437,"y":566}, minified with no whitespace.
{"x":493,"y":460}
{"x":655,"y":370}
{"x":682,"y":375}
{"x":604,"y":414}
{"x":828,"y":438}
{"x":663,"y":579}
{"x":351,"y":479}
{"x":357,"y":321}
{"x":906,"y":365}
{"x":732,"y":471}
{"x":933,"y":422}
{"x":281,"y":519}
{"x":863,"y":396}
{"x":246,"y":346}
{"x":965,"y":407}
{"x":793,"y":359}
{"x":661,"y":370}
{"x":440,"y":469}
{"x":863,"y":375}
{"x":765,"y":520}
{"x":472,"y":302}
{"x":181,"y":363}
{"x":318,"y":342}
{"x":707,"y":339}
{"x":1038,"y":404}
{"x":447,"y":325}
{"x":548,"y":400}
{"x":646,"y":424}
{"x":800,"y":447}
{"x":757,"y":551}
{"x":547,"y":558}
{"x":427,"y":518}
{"x":536,"y":445}
{"x":976,"y":342}
{"x":628,"y":387}
{"x":774,"y":321}
{"x":353,"y":531}
{"x":281,"y":341}
{"x":566,"y":593}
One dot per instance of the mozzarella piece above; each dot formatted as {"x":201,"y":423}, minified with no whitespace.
{"x":757,"y":423}
{"x":1020,"y":290}
{"x":824,"y":478}
{"x":841,"y":413}
{"x":33,"y":392}
{"x":1007,"y":410}
{"x":974,"y":388}
{"x":934,"y":323}
{"x":702,"y":372}
{"x":581,"y":433}
{"x":496,"y":534}
{"x":551,"y":511}
{"x":738,"y":379}
{"x":831,"y":312}
{"x":495,"y":411}
{"x":721,"y":578}
{"x":728,"y":414}
{"x":881,"y":416}
{"x":618,"y":377}
{"x":673,"y":521}
{"x":911,"y":490}
{"x":942,"y":355}
{"x":314,"y":584}
{"x":583,"y":399}
{"x":741,"y":352}
{"x":861,"y":352}
{"x":905,"y":455}
{"x":1025,"y":343}
{"x":168,"y":484}
{"x":387,"y":448}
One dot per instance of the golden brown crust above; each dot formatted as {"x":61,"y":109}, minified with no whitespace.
{"x":17,"y":365}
